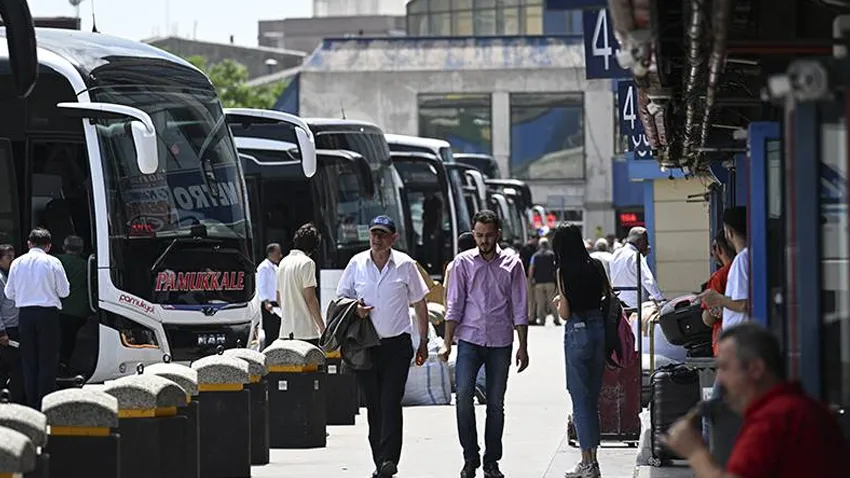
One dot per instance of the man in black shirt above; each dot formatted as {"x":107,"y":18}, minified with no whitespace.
{"x":541,"y":272}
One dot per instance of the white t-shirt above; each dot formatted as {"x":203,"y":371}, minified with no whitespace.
{"x":295,"y":273}
{"x":737,"y":287}
{"x":390,"y":291}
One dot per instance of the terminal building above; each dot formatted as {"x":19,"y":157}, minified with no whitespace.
{"x":490,"y":78}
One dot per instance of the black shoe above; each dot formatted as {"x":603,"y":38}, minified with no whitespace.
{"x":387,"y":469}
{"x":469,"y":469}
{"x":491,"y":470}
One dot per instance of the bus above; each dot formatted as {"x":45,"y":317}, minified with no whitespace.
{"x":520,"y":205}
{"x":20,"y":49}
{"x":474,"y":187}
{"x":483,"y":162}
{"x":432,"y":233}
{"x":127,"y":147}
{"x":354,"y":181}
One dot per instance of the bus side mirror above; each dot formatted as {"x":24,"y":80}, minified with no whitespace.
{"x":360,"y":167}
{"x":308,"y":151}
{"x":20,"y":38}
{"x":141,"y":128}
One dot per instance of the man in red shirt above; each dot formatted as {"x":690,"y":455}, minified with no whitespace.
{"x":723,"y":252}
{"x":784,"y":434}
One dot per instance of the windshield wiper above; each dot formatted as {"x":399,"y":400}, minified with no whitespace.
{"x":194,"y":238}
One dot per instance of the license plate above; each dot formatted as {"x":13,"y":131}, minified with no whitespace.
{"x":211,"y":339}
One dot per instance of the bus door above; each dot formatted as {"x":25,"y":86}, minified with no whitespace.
{"x":433,"y":232}
{"x":475,"y":201}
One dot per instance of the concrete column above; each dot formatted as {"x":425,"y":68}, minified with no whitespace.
{"x":501,"y":131}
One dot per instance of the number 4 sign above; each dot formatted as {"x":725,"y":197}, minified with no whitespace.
{"x":601,"y":47}
{"x":630,"y":124}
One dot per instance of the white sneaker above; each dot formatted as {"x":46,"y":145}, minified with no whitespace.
{"x":585,"y":470}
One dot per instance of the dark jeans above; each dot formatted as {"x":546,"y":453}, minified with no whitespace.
{"x":11,"y":372}
{"x":383,"y":386}
{"x":40,"y":338}
{"x":497,"y":362}
{"x":271,"y":325}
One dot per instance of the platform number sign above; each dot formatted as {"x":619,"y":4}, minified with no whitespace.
{"x":601,"y":47}
{"x":630,"y":123}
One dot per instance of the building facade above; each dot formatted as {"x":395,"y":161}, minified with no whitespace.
{"x":524,"y":100}
{"x":488,"y":18}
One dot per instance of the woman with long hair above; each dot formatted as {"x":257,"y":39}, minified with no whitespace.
{"x":580,"y":289}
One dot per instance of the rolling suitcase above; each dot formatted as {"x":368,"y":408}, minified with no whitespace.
{"x":675,"y":390}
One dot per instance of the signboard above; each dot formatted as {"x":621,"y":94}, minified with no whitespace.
{"x":601,"y":47}
{"x":574,"y":4}
{"x":629,"y":218}
{"x":630,"y":123}
{"x":199,"y":281}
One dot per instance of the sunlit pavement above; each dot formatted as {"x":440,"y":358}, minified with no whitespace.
{"x":534,"y":442}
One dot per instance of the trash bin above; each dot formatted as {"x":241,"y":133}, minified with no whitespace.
{"x":80,"y":440}
{"x":297,"y":409}
{"x":341,"y":393}
{"x":153,"y":435}
{"x":32,"y":424}
{"x":225,"y":416}
{"x":187,"y":379}
{"x":259,"y":388}
{"x":17,"y":453}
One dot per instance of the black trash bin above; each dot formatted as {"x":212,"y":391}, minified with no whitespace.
{"x":32,"y":424}
{"x":259,"y":388}
{"x":187,"y":379}
{"x":341,"y":392}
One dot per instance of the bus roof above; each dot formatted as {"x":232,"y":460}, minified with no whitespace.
{"x":88,"y":51}
{"x":335,"y":124}
{"x":416,"y":141}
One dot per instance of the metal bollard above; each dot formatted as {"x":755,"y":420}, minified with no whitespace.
{"x":79,"y":435}
{"x":187,"y":379}
{"x":259,"y":388}
{"x":153,"y":435}
{"x":32,"y":424}
{"x":341,"y":393}
{"x":297,"y":407}
{"x":225,"y":415}
{"x":17,"y":453}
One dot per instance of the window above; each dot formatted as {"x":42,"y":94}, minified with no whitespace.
{"x":9,"y":227}
{"x":485,"y":22}
{"x":441,"y":24}
{"x":559,"y":214}
{"x":462,"y":120}
{"x":417,"y":25}
{"x":547,"y":136}
{"x":533,"y":20}
{"x":509,"y":21}
{"x":462,"y":21}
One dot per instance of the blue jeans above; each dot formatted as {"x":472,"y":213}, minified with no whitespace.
{"x":497,"y":361}
{"x":584,"y":352}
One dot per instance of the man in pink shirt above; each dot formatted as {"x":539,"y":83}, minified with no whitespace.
{"x":486,"y":302}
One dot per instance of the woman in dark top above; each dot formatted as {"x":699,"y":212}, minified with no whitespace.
{"x":580,"y":289}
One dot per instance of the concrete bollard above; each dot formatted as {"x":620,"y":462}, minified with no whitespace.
{"x":225,"y":415}
{"x":153,"y":436}
{"x":17,"y":453}
{"x":341,"y":393}
{"x":80,"y":440}
{"x":297,"y":408}
{"x":32,"y":424}
{"x":187,"y":379}
{"x":259,"y":388}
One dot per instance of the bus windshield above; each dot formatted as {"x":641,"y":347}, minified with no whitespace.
{"x":180,"y":236}
{"x":456,"y":182}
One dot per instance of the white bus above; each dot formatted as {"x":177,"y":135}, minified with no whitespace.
{"x":127,"y":147}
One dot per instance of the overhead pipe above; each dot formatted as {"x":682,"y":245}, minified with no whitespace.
{"x":695,"y":62}
{"x":717,"y":60}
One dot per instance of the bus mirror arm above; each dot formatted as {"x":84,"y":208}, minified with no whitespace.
{"x":141,"y":128}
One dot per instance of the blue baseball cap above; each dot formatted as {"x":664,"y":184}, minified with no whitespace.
{"x":382,"y":223}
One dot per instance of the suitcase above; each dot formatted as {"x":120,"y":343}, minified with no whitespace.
{"x":675,"y":390}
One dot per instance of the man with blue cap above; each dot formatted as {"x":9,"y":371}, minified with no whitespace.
{"x":386,"y":282}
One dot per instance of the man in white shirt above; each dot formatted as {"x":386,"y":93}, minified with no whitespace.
{"x":296,"y":289}
{"x":267,"y":291}
{"x":735,"y":300}
{"x":387,"y":282}
{"x":624,"y":269}
{"x":37,"y":283}
{"x":602,"y":255}
{"x":11,"y":373}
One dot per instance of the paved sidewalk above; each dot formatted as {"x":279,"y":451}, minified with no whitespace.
{"x":534,"y":442}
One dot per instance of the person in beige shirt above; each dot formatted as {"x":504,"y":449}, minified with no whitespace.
{"x":296,"y":288}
